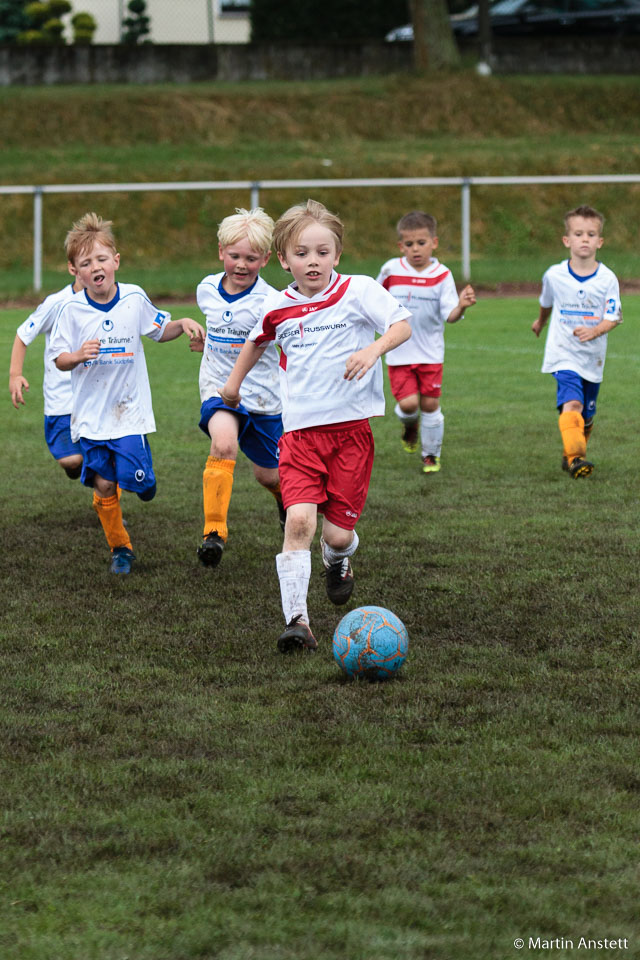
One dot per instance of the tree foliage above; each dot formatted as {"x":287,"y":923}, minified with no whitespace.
{"x":13,"y":20}
{"x":137,"y":24}
{"x":333,"y":22}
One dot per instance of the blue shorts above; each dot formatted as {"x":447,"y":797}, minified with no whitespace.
{"x":126,"y":461}
{"x":57,"y":433}
{"x":258,"y":433}
{"x":571,"y":386}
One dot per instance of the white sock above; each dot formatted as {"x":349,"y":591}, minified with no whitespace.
{"x":294,"y":571}
{"x":331,"y":555}
{"x":406,"y":417}
{"x":431,"y":433}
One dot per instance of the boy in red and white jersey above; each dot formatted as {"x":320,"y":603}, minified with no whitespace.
{"x":582,"y":298}
{"x":425,"y":287}
{"x":331,"y":383}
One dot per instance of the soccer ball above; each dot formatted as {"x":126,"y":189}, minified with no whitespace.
{"x":370,"y":642}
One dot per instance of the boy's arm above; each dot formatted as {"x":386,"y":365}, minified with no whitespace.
{"x":90,"y":350}
{"x":176,"y":328}
{"x":538,"y":325}
{"x":362,"y":360}
{"x":17,"y":383}
{"x":247,"y":359}
{"x":590,"y":333}
{"x":467,"y":299}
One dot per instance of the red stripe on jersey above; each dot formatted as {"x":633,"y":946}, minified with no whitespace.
{"x":402,"y":281}
{"x":299,"y":311}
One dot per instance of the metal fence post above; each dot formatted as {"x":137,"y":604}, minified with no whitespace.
{"x":466,"y":229}
{"x":37,"y":239}
{"x":255,"y":195}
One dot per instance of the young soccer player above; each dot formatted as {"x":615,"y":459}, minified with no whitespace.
{"x":98,"y":337}
{"x":56,"y":385}
{"x":233,"y":302}
{"x":582,"y":297}
{"x":331,"y":383}
{"x":425,"y":287}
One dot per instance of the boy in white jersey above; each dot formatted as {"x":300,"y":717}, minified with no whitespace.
{"x":331,"y":383}
{"x":98,"y":337}
{"x":56,"y":385}
{"x":425,"y":286}
{"x":233,"y":301}
{"x":582,"y":297}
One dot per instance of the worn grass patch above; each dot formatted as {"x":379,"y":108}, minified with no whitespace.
{"x":174,"y":789}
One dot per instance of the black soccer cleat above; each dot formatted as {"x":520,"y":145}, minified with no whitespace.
{"x":580,"y":468}
{"x":339,"y":581}
{"x":210,"y":550}
{"x":297,"y":637}
{"x":410,"y":436}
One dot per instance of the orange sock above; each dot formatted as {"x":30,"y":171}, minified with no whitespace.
{"x":110,"y":514}
{"x":571,"y":426}
{"x":217,"y":482}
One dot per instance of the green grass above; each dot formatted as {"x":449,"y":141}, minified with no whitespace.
{"x":458,"y":125}
{"x":173,"y":789}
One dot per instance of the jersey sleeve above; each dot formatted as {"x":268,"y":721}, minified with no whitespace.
{"x":380,"y":307}
{"x":152,"y":321}
{"x":62,"y":334}
{"x":42,"y":319}
{"x":448,"y":297}
{"x":546,"y":294}
{"x":265,"y":329}
{"x":613,"y":306}
{"x":385,"y":271}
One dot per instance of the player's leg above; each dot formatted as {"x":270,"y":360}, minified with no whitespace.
{"x":570,"y":404}
{"x":57,"y":433}
{"x":98,"y":472}
{"x":258,"y":441}
{"x":217,"y":483}
{"x":432,"y":423}
{"x":405,"y":389}
{"x":349,"y":462}
{"x":294,"y":571}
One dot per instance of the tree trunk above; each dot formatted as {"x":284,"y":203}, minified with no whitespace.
{"x":434,"y":45}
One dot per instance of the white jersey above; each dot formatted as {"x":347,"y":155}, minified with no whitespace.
{"x":316,"y":336}
{"x":56,"y":385}
{"x":578,"y":302}
{"x":229,"y":321}
{"x":111,"y":395}
{"x":430,"y":295}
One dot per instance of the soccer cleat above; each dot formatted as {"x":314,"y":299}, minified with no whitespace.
{"x":121,"y":560}
{"x":210,"y":550}
{"x":580,"y":468}
{"x":339,"y":580}
{"x":430,"y":464}
{"x":297,"y":637}
{"x":410,"y":436}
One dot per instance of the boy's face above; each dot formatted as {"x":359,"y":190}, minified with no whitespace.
{"x":242,"y":265}
{"x":311,"y":258}
{"x":96,"y":270}
{"x":417,"y":246}
{"x":583,"y":238}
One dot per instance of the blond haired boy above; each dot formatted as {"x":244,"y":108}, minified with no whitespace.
{"x":233,"y":301}
{"x":331,"y":383}
{"x":582,"y":298}
{"x":98,"y":337}
{"x":425,"y":287}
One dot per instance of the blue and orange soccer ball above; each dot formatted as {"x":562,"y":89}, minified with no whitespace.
{"x":370,"y":642}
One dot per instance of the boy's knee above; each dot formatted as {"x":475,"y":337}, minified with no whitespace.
{"x":147,"y":494}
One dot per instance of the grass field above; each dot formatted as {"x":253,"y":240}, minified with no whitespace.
{"x":174,"y":789}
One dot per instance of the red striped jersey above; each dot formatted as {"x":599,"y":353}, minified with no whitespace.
{"x":430,"y":295}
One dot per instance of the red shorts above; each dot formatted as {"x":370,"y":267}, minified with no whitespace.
{"x":409,"y":378}
{"x":330,"y":466}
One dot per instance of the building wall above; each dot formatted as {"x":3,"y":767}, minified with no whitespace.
{"x":186,"y":21}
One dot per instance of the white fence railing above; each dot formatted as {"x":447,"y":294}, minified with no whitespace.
{"x":255,"y":186}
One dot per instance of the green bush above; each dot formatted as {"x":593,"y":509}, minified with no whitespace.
{"x":84,"y":27}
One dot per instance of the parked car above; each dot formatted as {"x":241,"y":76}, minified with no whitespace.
{"x":544,"y":16}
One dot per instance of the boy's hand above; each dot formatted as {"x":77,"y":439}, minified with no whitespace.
{"x":361,"y":361}
{"x":196,"y":345}
{"x":16,"y":385}
{"x":538,"y":326}
{"x":231,"y":399}
{"x":584,"y":333}
{"x":467,"y":297}
{"x":193,"y":330}
{"x":90,"y":350}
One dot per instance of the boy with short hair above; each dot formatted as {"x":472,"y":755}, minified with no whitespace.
{"x":331,"y":383}
{"x":425,"y":287}
{"x":56,"y":384}
{"x":98,"y":338}
{"x":233,"y":302}
{"x":582,"y":297}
